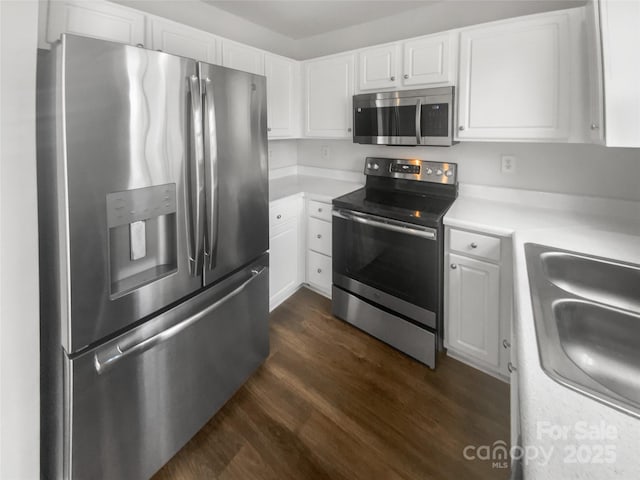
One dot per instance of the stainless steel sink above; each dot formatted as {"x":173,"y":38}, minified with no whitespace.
{"x":587,"y":318}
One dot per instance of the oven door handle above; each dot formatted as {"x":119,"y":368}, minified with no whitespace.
{"x":392,"y":225}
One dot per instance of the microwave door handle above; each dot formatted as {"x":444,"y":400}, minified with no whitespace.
{"x":418,"y":121}
{"x":212,"y":174}
{"x":195,"y":188}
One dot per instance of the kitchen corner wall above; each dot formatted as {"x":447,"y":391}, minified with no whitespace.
{"x":283,"y":153}
{"x":19,"y":293}
{"x":567,"y":168}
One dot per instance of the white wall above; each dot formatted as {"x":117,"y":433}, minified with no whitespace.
{"x":569,"y":168}
{"x":19,"y":305}
{"x":283,"y":153}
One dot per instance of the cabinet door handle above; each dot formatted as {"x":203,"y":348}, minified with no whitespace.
{"x":461,"y":127}
{"x":348,"y":130}
{"x":594,"y":126}
{"x":474,"y":245}
{"x":511,"y":368}
{"x":393,"y":79}
{"x":406,"y":76}
{"x":319,"y":270}
{"x":506,"y":344}
{"x":318,"y":236}
{"x":278,"y":216}
{"x":268,"y":129}
{"x":453,"y":266}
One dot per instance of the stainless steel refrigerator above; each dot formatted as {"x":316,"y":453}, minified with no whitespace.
{"x":153,"y":206}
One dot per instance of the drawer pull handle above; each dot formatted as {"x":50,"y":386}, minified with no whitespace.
{"x":318,"y":236}
{"x":319,"y":270}
{"x":453,"y":266}
{"x":474,"y":245}
{"x":319,"y":210}
{"x":511,"y":368}
{"x":506,"y":344}
{"x":278,"y":216}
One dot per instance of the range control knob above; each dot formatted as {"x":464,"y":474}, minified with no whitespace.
{"x":448,"y":173}
{"x":375,"y":166}
{"x":438,"y":172}
{"x":429,"y":171}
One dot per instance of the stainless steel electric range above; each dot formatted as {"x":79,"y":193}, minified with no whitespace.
{"x":388,"y":250}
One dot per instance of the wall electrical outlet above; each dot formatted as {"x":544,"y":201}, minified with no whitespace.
{"x":508,"y":163}
{"x":325,"y":152}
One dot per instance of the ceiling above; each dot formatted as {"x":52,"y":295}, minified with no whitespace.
{"x":306,"y":18}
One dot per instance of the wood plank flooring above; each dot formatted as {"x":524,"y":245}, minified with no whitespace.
{"x":331,"y":402}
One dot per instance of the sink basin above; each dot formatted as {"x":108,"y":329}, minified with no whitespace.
{"x":600,"y":280}
{"x":587,"y":318}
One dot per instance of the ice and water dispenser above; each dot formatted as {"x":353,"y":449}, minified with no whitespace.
{"x":142,"y":236}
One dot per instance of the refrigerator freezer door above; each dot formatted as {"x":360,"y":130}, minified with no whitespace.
{"x":136,"y":400}
{"x":126,"y":143}
{"x":236,"y":173}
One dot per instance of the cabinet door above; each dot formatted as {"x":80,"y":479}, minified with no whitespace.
{"x":377,"y":68}
{"x":181,"y":40}
{"x":283,"y":262}
{"x":281,"y":76}
{"x":96,"y":19}
{"x":242,"y":57}
{"x":472,"y":309}
{"x":328,"y":97}
{"x":430,"y":60}
{"x":514,"y":79}
{"x":620,"y":22}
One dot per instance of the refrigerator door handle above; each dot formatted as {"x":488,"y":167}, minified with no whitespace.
{"x":211,"y":168}
{"x":195,"y":183}
{"x":104,"y":361}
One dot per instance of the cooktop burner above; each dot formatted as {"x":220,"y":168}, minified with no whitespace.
{"x":412,"y":191}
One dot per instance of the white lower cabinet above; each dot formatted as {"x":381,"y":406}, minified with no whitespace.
{"x":285,"y":249}
{"x":478,"y":300}
{"x":319,"y":241}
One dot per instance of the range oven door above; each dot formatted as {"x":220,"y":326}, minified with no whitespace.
{"x":393,"y":264}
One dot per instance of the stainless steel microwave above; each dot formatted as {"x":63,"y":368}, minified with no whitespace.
{"x":407,"y":117}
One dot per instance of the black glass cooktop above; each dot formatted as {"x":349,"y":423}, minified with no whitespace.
{"x":419,"y":209}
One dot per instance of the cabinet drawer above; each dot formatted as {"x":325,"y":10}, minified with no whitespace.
{"x":319,"y":236}
{"x":475,"y":244}
{"x":280,"y":212}
{"x":319,"y":271}
{"x":320,"y":210}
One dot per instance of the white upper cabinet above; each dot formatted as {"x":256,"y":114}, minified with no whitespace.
{"x":242,"y":57}
{"x":421,"y":62}
{"x":96,"y":19}
{"x":282,"y":89}
{"x":328,"y":96}
{"x":620,"y":28}
{"x":378,"y":68}
{"x":178,"y":39}
{"x":430,"y":60}
{"x":514,"y":79}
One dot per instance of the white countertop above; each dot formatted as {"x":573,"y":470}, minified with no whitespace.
{"x":559,"y":221}
{"x":315,"y":183}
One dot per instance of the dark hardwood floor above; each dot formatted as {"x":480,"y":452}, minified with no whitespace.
{"x":332,"y":402}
